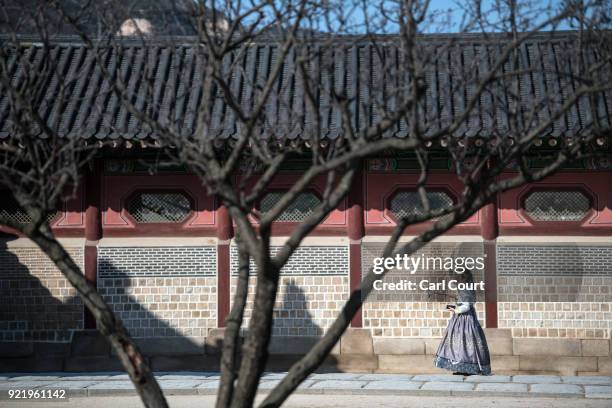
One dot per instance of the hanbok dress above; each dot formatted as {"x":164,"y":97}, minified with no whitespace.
{"x":464,"y":347}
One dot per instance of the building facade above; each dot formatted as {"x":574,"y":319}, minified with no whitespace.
{"x":162,"y":253}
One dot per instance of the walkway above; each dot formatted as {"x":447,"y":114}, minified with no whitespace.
{"x":202,"y":383}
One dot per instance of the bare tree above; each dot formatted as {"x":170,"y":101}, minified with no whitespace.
{"x":230,"y":88}
{"x":41,"y":167}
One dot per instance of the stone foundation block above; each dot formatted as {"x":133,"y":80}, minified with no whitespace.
{"x":99,"y":363}
{"x":407,"y":364}
{"x":504,"y":364}
{"x":32,"y":364}
{"x":87,"y":343}
{"x":595,"y":348}
{"x":162,"y":346}
{"x":499,"y":341}
{"x":561,"y":365}
{"x":214,"y":341}
{"x":291,"y":344}
{"x":388,"y":345}
{"x":604,"y":365}
{"x":355,"y":363}
{"x":185,"y":363}
{"x":356,"y":341}
{"x":51,"y":349}
{"x":431,"y":346}
{"x":16,"y":349}
{"x":546,"y":347}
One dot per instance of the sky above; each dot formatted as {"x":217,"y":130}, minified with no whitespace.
{"x":448,"y":15}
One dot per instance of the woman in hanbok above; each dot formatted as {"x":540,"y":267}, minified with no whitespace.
{"x":464,"y":348}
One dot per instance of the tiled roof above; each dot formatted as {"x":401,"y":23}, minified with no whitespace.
{"x":170,"y":88}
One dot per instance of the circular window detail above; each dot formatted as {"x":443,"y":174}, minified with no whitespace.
{"x":149,"y":207}
{"x":557,"y":205}
{"x":408,"y":203}
{"x":297,"y":211}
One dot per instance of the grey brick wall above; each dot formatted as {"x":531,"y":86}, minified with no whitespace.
{"x":305,"y":305}
{"x":161,"y":291}
{"x":157,"y":261}
{"x":37,"y":303}
{"x":163,"y":307}
{"x":313,"y":287}
{"x":555,"y":290}
{"x":554,"y":260}
{"x":417,"y":313}
{"x":307,"y":260}
{"x":371,"y":250}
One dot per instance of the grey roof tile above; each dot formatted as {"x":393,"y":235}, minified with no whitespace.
{"x":165,"y":82}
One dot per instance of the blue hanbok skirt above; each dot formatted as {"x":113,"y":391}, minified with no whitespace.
{"x":464,"y":347}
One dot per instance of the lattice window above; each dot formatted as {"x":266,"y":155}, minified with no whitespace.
{"x":557,"y":205}
{"x":149,"y":207}
{"x":408,"y":203}
{"x":10,"y":210}
{"x":297,"y":211}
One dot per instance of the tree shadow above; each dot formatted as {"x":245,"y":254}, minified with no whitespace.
{"x":296,"y":330}
{"x":33,"y":310}
{"x":41,"y":316}
{"x":153,"y":310}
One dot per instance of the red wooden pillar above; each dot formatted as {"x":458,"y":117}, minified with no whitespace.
{"x":490,"y":231}
{"x":224,"y":236}
{"x":356,"y":231}
{"x":93,"y":230}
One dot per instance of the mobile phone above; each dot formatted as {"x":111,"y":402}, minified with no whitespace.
{"x":451,"y":306}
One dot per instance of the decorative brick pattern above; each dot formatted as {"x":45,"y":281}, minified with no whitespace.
{"x":554,"y":260}
{"x":36,"y":302}
{"x":572,"y":320}
{"x":305,"y":305}
{"x":306,"y":260}
{"x":163,"y":306}
{"x":157,"y":261}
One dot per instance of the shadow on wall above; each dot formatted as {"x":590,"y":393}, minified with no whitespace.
{"x":36,"y":314}
{"x":296,"y":331}
{"x":40,"y":314}
{"x":159,"y":314}
{"x":293,"y":316}
{"x":32,"y":310}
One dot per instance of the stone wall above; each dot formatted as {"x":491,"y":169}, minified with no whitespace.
{"x":313,"y":287}
{"x":555,"y":290}
{"x":509,"y":355}
{"x":410,"y":319}
{"x":305,"y":305}
{"x":161,"y":291}
{"x":36,"y":302}
{"x":420,"y":313}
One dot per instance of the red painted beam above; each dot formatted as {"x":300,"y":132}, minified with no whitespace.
{"x":93,"y":231}
{"x":355,"y":231}
{"x":224,"y":235}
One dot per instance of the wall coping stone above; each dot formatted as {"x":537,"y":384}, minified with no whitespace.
{"x":157,"y":241}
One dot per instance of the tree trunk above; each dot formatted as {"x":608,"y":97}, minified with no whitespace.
{"x":108,"y":324}
{"x":231,"y":338}
{"x":255,"y":350}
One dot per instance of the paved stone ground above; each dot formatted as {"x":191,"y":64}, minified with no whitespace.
{"x":206,"y":383}
{"x":332,"y":401}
